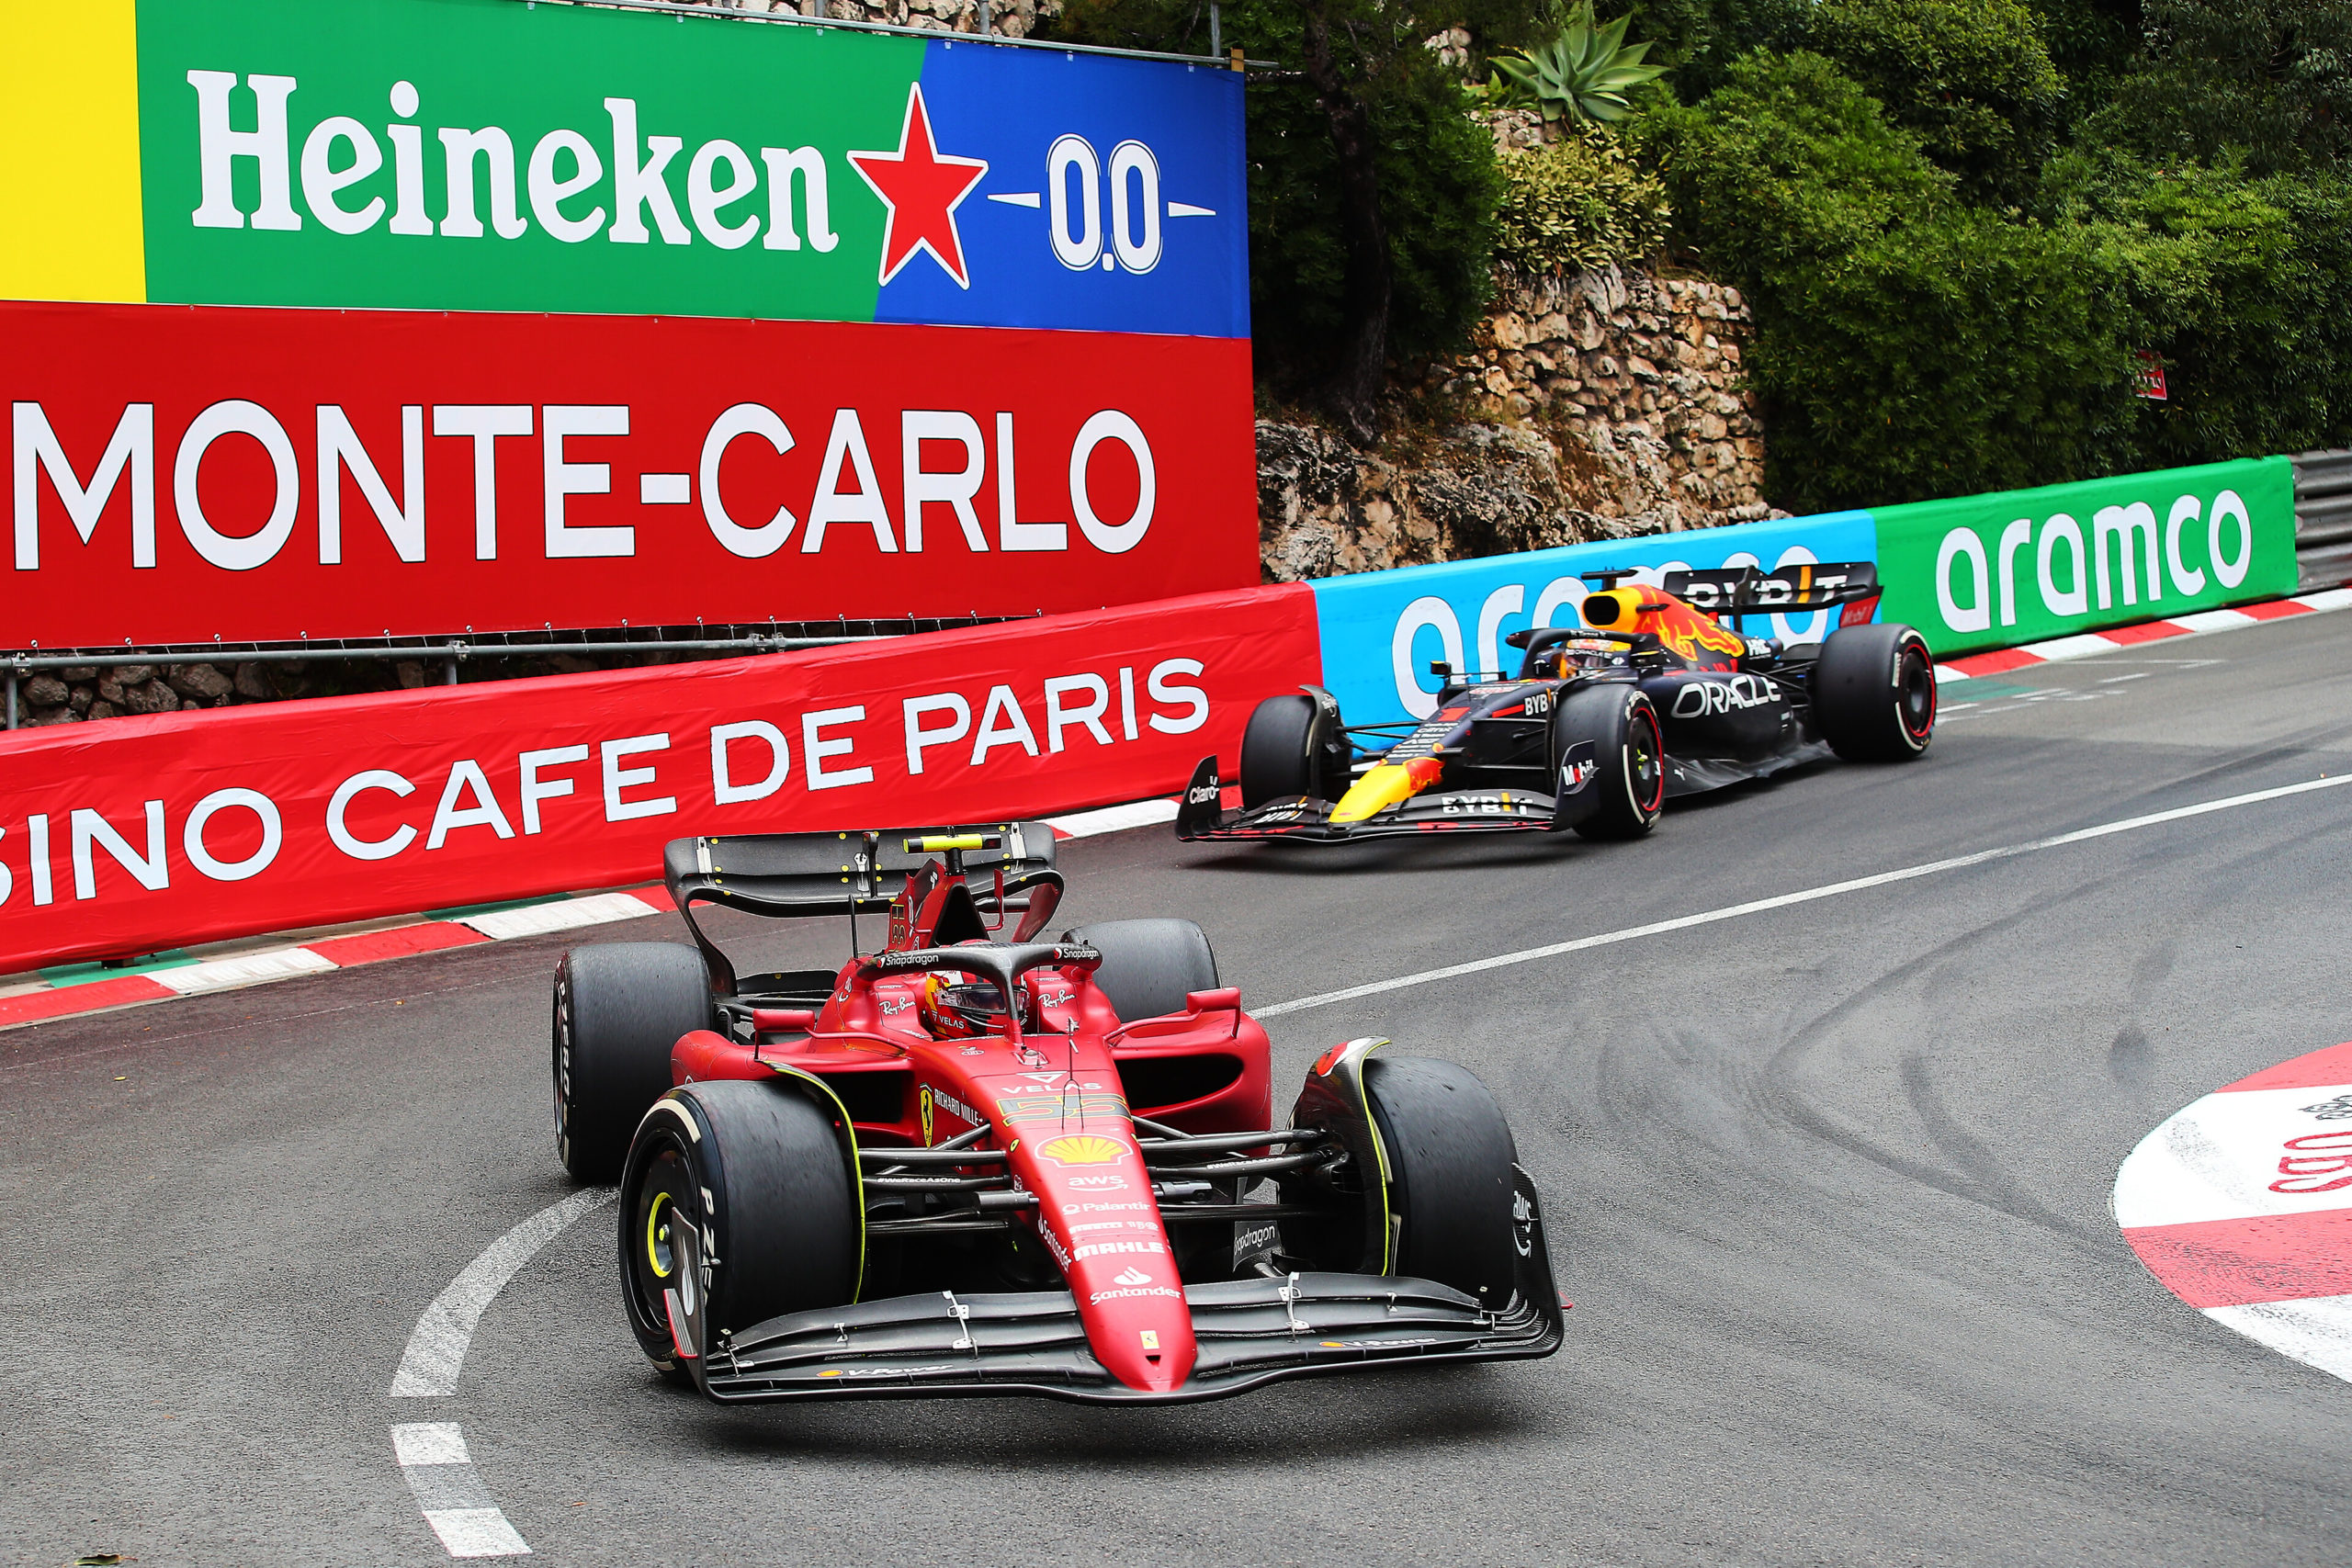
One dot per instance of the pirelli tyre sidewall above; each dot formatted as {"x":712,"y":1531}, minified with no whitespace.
{"x":737,"y":1196}
{"x":1874,"y":694}
{"x":619,"y":1009}
{"x":1608,"y":762}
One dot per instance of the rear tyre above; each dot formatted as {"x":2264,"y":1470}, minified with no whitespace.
{"x":1148,"y":965}
{"x":737,"y":1196}
{"x":1287,"y":749}
{"x":1450,"y":1160}
{"x":1627,"y":750}
{"x":1874,"y":694}
{"x":619,"y":1008}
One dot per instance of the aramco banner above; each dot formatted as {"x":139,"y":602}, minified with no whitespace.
{"x":2022,"y":566}
{"x":505,"y":372}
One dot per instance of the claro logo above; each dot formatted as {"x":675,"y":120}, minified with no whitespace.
{"x":2125,"y":553}
{"x":2318,"y":1162}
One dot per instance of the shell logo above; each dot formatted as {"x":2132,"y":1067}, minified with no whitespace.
{"x":1083,"y":1148}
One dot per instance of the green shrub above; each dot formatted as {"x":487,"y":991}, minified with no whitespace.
{"x":1965,"y":353}
{"x":1972,"y":79}
{"x":1581,"y":203}
{"x":1789,"y":164}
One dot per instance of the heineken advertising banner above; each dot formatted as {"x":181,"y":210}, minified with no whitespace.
{"x":490,"y":155}
{"x":2021,"y":566}
{"x":393,"y":446}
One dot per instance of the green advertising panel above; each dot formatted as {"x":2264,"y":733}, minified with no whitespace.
{"x":2023,"y":566}
{"x":355,"y":118}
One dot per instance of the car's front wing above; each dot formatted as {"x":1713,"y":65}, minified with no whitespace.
{"x":1249,"y":1332}
{"x":1439,"y":811}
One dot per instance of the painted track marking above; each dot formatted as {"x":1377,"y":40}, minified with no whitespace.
{"x":436,"y":1346}
{"x":440,"y":1472}
{"x":1806,"y":896}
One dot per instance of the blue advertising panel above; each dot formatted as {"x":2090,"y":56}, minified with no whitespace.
{"x":1382,"y":629}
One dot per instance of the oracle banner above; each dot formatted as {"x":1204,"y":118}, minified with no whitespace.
{"x":183,"y":473}
{"x":143,"y":834}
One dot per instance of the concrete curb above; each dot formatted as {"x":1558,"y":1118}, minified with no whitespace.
{"x":2087,"y":644}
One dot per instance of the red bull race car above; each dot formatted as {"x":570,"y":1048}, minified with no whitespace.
{"x":1654,"y":696}
{"x":969,"y":1163}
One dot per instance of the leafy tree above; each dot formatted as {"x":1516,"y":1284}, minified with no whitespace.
{"x":1972,"y":79}
{"x":1583,"y":202}
{"x":1372,"y":193}
{"x":2271,"y":79}
{"x":1789,"y":165}
{"x":1698,"y":41}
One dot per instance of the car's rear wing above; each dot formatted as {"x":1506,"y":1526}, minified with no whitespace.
{"x":791,"y":875}
{"x":1749,"y":591}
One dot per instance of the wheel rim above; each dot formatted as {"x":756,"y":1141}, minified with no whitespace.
{"x":1917,"y":706}
{"x":664,"y":1204}
{"x":1645,"y":762}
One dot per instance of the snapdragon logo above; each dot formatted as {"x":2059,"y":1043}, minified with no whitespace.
{"x":2126,"y":559}
{"x":562,"y":180}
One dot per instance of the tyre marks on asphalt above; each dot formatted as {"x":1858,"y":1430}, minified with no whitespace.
{"x":1804,"y":896}
{"x":2240,"y":1205}
{"x":432,"y":1454}
{"x":440,"y":1471}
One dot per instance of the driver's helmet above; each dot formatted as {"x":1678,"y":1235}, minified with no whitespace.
{"x":956,"y":1006}
{"x":1580,"y":654}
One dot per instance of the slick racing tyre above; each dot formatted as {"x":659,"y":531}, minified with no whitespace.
{"x":1874,"y":694}
{"x":1450,"y":1165}
{"x":1613,"y":731}
{"x":1148,"y":965}
{"x":619,"y":1008}
{"x":1290,"y":748}
{"x":737,"y":1204}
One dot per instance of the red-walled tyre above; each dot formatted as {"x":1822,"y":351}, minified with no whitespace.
{"x":1614,"y":730}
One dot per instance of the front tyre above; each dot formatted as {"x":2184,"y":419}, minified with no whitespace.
{"x":1291,"y":747}
{"x":737,"y":1204}
{"x":1874,"y":694}
{"x":619,"y":1009}
{"x":1608,"y":747}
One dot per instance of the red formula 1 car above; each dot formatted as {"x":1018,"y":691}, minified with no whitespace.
{"x":974,"y":1166}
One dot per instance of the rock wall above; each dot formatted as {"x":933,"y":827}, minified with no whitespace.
{"x":1598,"y":406}
{"x":1007,"y":18}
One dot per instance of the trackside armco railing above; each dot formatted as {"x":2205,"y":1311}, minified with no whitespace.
{"x":2324,"y":517}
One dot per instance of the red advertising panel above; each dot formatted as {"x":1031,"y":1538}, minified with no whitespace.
{"x":182,"y":473}
{"x":145,"y":833}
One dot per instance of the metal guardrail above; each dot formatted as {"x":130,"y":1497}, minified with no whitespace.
{"x":449,"y":652}
{"x":2324,"y":518}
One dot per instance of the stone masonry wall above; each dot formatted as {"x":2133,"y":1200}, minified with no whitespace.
{"x":1600,"y":405}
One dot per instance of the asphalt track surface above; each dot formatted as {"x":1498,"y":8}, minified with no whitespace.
{"x":1827,"y":1184}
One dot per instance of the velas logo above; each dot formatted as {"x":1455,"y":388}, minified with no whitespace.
{"x":922,"y":188}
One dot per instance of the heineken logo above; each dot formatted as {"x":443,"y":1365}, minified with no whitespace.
{"x":624,"y":181}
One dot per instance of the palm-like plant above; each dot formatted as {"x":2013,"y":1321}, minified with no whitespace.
{"x":1581,"y":75}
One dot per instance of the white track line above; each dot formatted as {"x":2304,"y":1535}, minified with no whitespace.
{"x":440,"y":1472}
{"x":1782,"y":901}
{"x":436,"y":1346}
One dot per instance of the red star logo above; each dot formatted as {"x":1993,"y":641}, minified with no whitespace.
{"x":923,"y":189}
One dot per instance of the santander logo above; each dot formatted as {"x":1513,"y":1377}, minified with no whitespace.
{"x":1131,"y":1276}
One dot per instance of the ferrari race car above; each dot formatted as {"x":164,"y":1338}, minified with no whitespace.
{"x":1654,"y":696}
{"x":969,"y":1164}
